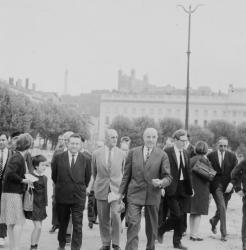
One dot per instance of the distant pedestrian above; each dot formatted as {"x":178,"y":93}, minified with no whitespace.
{"x":40,"y":200}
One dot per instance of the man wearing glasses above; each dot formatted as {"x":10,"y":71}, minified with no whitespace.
{"x":179,"y":192}
{"x":223,"y":161}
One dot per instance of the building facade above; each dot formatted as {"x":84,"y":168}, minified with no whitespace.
{"x":203,"y":108}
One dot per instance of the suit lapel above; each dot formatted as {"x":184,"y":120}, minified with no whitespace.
{"x":217,"y":158}
{"x":67,"y":164}
{"x":174,"y":158}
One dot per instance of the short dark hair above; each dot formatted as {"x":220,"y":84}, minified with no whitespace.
{"x":37,"y":159}
{"x":4,"y":133}
{"x":16,"y":133}
{"x":75,"y":135}
{"x":201,"y":148}
{"x":125,"y":139}
{"x":24,"y":142}
{"x":222,"y":138}
{"x":178,"y":133}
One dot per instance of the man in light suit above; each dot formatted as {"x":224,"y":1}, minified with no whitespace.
{"x":146,"y":172}
{"x":179,"y":192}
{"x":71,"y":172}
{"x":5,"y":155}
{"x":223,"y":162}
{"x":107,"y":168}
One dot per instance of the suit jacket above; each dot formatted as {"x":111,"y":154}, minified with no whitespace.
{"x":223,"y":175}
{"x":172,"y":189}
{"x":137,"y":179}
{"x":10,"y":153}
{"x":105,"y":179}
{"x":70,"y":183}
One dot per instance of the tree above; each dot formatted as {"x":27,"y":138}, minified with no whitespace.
{"x":241,"y":133}
{"x":224,"y":128}
{"x":123,"y":126}
{"x":168,"y":126}
{"x":140,"y":124}
{"x":201,"y":134}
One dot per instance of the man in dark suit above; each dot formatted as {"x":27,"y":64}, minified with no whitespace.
{"x":71,"y":172}
{"x":179,"y":192}
{"x":146,"y":172}
{"x":5,"y":155}
{"x":223,"y":161}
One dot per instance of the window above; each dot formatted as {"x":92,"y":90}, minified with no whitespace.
{"x":234,"y":113}
{"x":196,"y":112}
{"x":134,"y":110}
{"x":205,"y":112}
{"x":160,"y":111}
{"x":196,"y":122}
{"x":205,"y":123}
{"x":215,"y":113}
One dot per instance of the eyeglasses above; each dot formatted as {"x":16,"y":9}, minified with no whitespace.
{"x":223,"y":146}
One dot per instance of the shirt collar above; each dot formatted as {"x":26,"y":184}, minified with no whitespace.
{"x":177,"y":151}
{"x":70,"y":154}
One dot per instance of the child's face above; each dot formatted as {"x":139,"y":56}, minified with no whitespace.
{"x":42,"y":167}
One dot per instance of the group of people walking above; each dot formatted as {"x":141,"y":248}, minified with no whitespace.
{"x":120,"y":183}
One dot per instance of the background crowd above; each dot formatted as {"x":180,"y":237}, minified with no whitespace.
{"x":120,"y":183}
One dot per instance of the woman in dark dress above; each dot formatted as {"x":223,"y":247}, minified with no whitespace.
{"x":200,"y":201}
{"x":39,"y":199}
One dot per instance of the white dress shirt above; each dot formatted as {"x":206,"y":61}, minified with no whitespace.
{"x":70,"y":156}
{"x":5,"y":157}
{"x":221,"y":157}
{"x":145,"y":152}
{"x":107,"y":153}
{"x":177,"y":153}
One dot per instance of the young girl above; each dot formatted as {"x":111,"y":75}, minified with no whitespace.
{"x":39,"y":200}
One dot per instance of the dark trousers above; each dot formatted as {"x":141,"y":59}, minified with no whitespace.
{"x":163,"y":211}
{"x":176,"y":220}
{"x":92,"y":207}
{"x":3,"y":230}
{"x":64,"y":211}
{"x":221,"y":200}
{"x":243,"y":231}
{"x":55,"y":221}
{"x":123,"y":214}
{"x":134,"y":220}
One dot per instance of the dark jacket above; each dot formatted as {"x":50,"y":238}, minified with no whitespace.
{"x":70,"y":183}
{"x":223,"y":175}
{"x":10,"y":153}
{"x":172,"y":189}
{"x":14,"y":174}
{"x":238,"y":176}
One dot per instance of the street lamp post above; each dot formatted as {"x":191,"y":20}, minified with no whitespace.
{"x":190,"y":11}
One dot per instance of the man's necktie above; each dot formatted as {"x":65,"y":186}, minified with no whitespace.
{"x":147,"y":155}
{"x":109,"y":159}
{"x":1,"y":163}
{"x":73,"y":161}
{"x":222,"y":161}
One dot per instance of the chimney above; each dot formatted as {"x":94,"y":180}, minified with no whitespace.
{"x":27,"y":83}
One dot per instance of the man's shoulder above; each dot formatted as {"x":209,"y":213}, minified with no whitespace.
{"x":168,"y":150}
{"x":230,"y":153}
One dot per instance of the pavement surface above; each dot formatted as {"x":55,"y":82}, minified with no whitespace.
{"x":91,"y":237}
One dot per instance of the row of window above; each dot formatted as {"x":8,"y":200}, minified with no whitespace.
{"x":169,"y":111}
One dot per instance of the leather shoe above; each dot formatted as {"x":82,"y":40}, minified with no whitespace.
{"x":213,"y":227}
{"x":196,"y":238}
{"x":61,"y":248}
{"x":68,"y":238}
{"x":180,"y":246}
{"x":223,"y":238}
{"x":53,"y":229}
{"x":105,"y":248}
{"x":90,"y":225}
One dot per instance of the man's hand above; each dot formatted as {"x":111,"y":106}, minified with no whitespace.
{"x":229,"y":188}
{"x":162,"y":192}
{"x":156,"y":183}
{"x":240,"y":193}
{"x":27,"y":181}
{"x":121,"y":196}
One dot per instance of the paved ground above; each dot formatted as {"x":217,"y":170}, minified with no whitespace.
{"x":91,"y":238}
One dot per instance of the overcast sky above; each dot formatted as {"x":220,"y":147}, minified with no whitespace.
{"x":95,"y":38}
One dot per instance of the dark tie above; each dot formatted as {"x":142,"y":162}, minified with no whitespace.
{"x":222,"y":162}
{"x":147,"y":155}
{"x":73,"y":161}
{"x":1,"y":163}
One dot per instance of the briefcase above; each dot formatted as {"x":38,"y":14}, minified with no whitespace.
{"x":204,"y":171}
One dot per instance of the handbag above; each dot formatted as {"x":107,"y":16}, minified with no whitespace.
{"x":28,"y":199}
{"x":204,"y":171}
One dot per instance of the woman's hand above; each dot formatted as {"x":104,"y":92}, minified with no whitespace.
{"x":27,"y":181}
